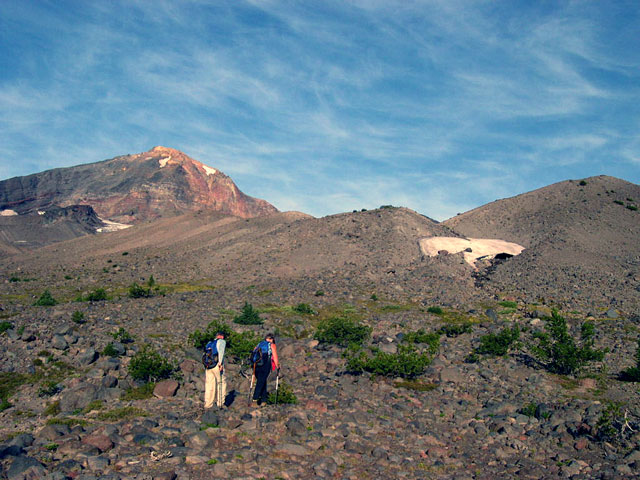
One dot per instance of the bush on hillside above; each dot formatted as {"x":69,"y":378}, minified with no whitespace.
{"x":46,"y":300}
{"x":632,"y":374}
{"x":455,"y":329}
{"x":498,"y":344}
{"x":342,"y":331}
{"x":432,"y":339}
{"x":408,"y":362}
{"x":4,"y":326}
{"x":285,"y":395}
{"x":148,"y":365}
{"x":304,"y":309}
{"x":249,"y":316}
{"x":559,"y":351}
{"x":138,"y":291}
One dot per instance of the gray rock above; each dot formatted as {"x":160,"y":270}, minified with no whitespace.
{"x":23,"y":440}
{"x":326,"y":467}
{"x":109,"y":381}
{"x":611,"y":313}
{"x":198,"y":441}
{"x":97,"y":463}
{"x":210,"y":417}
{"x":78,"y":397}
{"x":25,"y":468}
{"x":53,"y":431}
{"x":491,"y":313}
{"x":10,"y":451}
{"x":87,"y":357}
{"x":296,"y":427}
{"x":166,"y":388}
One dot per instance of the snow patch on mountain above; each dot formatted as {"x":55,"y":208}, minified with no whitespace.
{"x":472,"y":248}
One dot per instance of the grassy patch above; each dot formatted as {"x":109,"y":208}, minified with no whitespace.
{"x":122,"y":413}
{"x":69,"y":421}
{"x":139,"y":393}
{"x":395,"y":308}
{"x":415,"y":385}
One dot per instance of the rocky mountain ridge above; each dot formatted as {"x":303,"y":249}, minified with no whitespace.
{"x":132,"y":189}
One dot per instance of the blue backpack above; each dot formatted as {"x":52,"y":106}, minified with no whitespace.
{"x":210,"y":354}
{"x":261,"y":354}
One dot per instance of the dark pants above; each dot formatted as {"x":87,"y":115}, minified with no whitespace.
{"x":262,"y":374}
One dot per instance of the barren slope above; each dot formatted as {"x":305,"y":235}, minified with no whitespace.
{"x":580,"y":238}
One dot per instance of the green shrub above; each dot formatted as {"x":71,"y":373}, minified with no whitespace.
{"x":4,"y":404}
{"x":614,"y":426}
{"x":122,"y":336}
{"x":110,"y":351}
{"x":93,"y":405}
{"x":319,"y":293}
{"x":498,"y":344}
{"x":304,"y":309}
{"x":137,"y":291}
{"x":52,"y":409}
{"x":78,"y":317}
{"x":582,"y":183}
{"x":49,"y":388}
{"x":10,"y":382}
{"x":46,"y":300}
{"x":249,"y":316}
{"x":455,"y":329}
{"x":633,"y":208}
{"x":374,"y":297}
{"x":529,"y":409}
{"x":618,"y":202}
{"x":285,"y":395}
{"x":148,"y":365}
{"x":4,"y":326}
{"x":342,"y":331}
{"x":98,"y":295}
{"x":508,"y":304}
{"x":408,"y":362}
{"x":435,"y":310}
{"x":632,"y":374}
{"x":432,"y":339}
{"x":558,"y":350}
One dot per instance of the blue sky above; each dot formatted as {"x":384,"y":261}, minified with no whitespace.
{"x":330,"y":106}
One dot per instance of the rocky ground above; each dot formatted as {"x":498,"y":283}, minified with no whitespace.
{"x":503,"y":417}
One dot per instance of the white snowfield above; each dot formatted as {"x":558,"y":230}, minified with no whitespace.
{"x":111,"y":226}
{"x":8,"y":213}
{"x":209,"y":170}
{"x":479,"y":247}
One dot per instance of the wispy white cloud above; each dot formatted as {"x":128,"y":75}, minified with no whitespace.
{"x":332,"y":106}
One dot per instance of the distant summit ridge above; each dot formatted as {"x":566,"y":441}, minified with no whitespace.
{"x":129,"y":189}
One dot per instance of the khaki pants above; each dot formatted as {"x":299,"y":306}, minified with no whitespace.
{"x":215,"y":387}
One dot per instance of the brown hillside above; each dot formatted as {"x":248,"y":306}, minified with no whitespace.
{"x":580,"y":238}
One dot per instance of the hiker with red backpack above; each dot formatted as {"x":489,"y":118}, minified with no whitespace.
{"x":215,"y":387}
{"x":264,"y":359}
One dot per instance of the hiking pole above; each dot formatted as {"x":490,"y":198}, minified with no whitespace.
{"x":277,"y":383}
{"x":220,"y":388}
{"x":251,"y":386}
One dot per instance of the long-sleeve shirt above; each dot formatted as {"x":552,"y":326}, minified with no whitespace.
{"x":274,"y":357}
{"x":221,"y":345}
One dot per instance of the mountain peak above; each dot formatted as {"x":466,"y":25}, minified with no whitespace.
{"x":161,"y":182}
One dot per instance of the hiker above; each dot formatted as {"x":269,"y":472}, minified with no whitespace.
{"x":215,"y":386}
{"x":265,"y":359}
